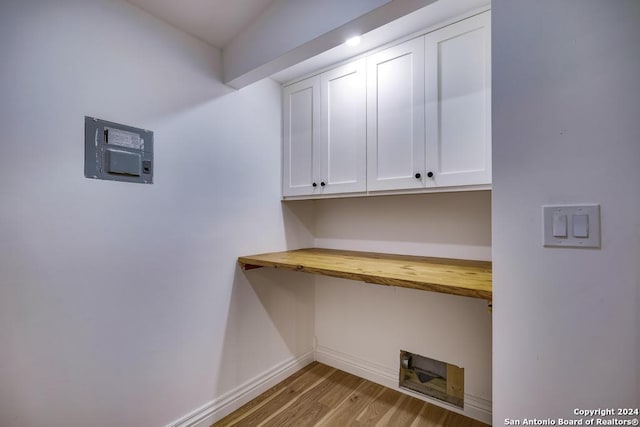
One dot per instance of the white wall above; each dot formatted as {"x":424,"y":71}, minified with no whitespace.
{"x":291,"y":31}
{"x":362,"y":327}
{"x":565,"y":130}
{"x":121,"y":304}
{"x":284,"y":26}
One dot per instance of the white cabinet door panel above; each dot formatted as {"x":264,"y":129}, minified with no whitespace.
{"x":395,"y":117}
{"x":458,"y":109}
{"x":344,"y":140}
{"x":301,"y":137}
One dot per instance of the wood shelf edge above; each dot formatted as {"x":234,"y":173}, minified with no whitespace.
{"x":246,"y":266}
{"x":285,"y":260}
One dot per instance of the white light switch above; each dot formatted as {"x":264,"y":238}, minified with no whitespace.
{"x":580,"y":225}
{"x":576,"y":226}
{"x":559,"y":225}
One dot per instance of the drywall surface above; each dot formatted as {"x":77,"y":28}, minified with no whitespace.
{"x":121,"y":304}
{"x":284,"y":26}
{"x":362,"y":327}
{"x":565,"y":130}
{"x":291,"y":31}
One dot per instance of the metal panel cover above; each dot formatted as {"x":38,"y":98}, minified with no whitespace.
{"x":117,"y":152}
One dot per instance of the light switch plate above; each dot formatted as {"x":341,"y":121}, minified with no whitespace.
{"x":559,"y":224}
{"x":572,"y":239}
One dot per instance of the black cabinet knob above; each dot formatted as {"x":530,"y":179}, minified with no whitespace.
{"x":314,"y":184}
{"x":322,"y":183}
{"x":430,"y":174}
{"x":418,"y":176}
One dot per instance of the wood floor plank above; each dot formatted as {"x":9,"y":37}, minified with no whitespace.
{"x":294,"y":388}
{"x":343,"y":388}
{"x":322,"y":396}
{"x":406,"y":412}
{"x":378,"y":408}
{"x":347,"y":412}
{"x":307,"y":408}
{"x":430,"y":416}
{"x":309,"y":417}
{"x":234,"y":416}
{"x":456,"y":420}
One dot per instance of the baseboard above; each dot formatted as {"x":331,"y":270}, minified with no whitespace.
{"x":475,"y":407}
{"x":234,"y":399}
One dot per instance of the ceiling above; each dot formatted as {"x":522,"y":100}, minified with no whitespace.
{"x":216,"y":22}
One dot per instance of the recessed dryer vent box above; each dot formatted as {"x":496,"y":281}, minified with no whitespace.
{"x":432,"y":378}
{"x":117,"y":152}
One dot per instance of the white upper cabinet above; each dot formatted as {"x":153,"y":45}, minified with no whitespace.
{"x":395,"y":117}
{"x":414,"y":116}
{"x":301,"y":150}
{"x":343,"y":161}
{"x":325,"y":133}
{"x":458,"y":103}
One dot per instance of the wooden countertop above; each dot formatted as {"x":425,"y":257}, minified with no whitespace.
{"x":449,"y":276}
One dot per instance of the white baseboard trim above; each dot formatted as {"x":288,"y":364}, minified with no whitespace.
{"x":222,"y":406}
{"x":474,"y":406}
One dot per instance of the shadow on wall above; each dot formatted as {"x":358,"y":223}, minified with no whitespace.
{"x":299,"y":223}
{"x":270,"y":319}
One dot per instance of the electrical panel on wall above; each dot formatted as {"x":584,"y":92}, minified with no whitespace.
{"x":117,"y":152}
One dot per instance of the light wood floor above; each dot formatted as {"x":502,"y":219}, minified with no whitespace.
{"x":319,"y":395}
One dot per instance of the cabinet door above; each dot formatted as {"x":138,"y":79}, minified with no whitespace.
{"x":395,"y":117}
{"x":301,"y":139}
{"x":458,"y":103}
{"x":343,"y":147}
